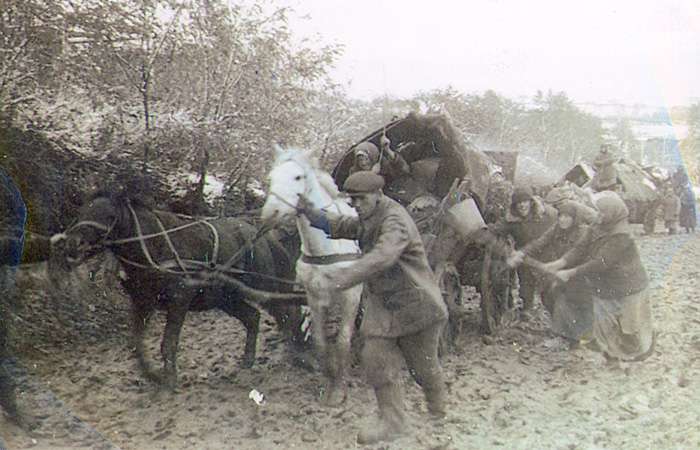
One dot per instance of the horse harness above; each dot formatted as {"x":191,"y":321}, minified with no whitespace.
{"x":320,"y":259}
{"x":194,"y":271}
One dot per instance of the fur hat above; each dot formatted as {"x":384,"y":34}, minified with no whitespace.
{"x":521,"y":194}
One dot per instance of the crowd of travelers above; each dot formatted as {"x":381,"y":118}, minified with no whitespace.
{"x":571,"y":248}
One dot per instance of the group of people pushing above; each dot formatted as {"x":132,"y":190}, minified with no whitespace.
{"x":584,"y":262}
{"x":581,"y":257}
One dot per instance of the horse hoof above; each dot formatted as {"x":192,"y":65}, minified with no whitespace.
{"x":333,"y":397}
{"x":168,"y":380}
{"x":246,"y":363}
{"x":152,"y":377}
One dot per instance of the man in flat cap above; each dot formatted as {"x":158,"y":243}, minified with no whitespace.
{"x":404,"y":309}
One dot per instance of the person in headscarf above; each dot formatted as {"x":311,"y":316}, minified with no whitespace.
{"x":571,"y":312}
{"x":608,"y":261}
{"x":387,"y":162}
{"x":689,"y":213}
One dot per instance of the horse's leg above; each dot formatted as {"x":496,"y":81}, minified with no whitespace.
{"x":319,"y":318}
{"x":250,"y":317}
{"x":140,"y":315}
{"x":318,"y":336}
{"x":176,"y":311}
{"x":347,"y":302}
{"x":350,"y":302}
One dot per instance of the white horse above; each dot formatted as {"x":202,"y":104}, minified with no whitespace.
{"x":294,"y":174}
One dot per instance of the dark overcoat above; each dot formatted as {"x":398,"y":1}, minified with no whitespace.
{"x":12,"y":220}
{"x":401,"y":293}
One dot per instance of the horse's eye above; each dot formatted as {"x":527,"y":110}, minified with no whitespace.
{"x":298,"y":178}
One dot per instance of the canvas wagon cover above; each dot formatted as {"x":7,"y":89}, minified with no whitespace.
{"x":436,"y":152}
{"x":637,"y":184}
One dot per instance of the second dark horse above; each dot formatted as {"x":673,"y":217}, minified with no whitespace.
{"x":183,"y":264}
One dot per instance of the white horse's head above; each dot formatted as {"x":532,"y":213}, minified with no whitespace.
{"x":293,"y":173}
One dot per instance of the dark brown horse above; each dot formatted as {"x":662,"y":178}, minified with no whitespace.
{"x":182,"y":264}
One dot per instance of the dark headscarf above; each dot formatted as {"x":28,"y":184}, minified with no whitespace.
{"x":368,"y":149}
{"x":570,"y":209}
{"x":612,"y":213}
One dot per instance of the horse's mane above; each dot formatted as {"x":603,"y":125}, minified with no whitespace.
{"x":138,"y":189}
{"x":122,"y":197}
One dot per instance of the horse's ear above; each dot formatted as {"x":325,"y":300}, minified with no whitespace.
{"x":311,"y":155}
{"x":279,"y":151}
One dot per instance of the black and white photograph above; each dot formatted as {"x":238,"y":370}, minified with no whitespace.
{"x":261,"y":224}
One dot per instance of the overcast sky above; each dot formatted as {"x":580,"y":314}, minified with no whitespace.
{"x":629,"y":51}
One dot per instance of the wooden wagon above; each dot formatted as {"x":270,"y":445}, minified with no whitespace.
{"x":642,"y":190}
{"x":446,"y":191}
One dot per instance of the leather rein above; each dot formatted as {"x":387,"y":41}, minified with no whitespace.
{"x":191,"y":268}
{"x":319,"y":259}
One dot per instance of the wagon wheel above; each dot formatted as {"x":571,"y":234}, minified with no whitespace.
{"x":448,"y":280}
{"x":488,"y":306}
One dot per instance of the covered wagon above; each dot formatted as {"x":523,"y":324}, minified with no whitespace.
{"x":445,"y":187}
{"x":638,"y":187}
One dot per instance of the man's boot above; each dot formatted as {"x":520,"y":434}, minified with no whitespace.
{"x":391,"y":418}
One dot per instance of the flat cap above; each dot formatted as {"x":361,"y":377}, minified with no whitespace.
{"x":363,"y":182}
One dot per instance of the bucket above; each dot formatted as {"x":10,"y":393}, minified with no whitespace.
{"x":465,"y":218}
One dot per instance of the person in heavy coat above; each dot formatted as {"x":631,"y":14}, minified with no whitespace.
{"x":387,"y":162}
{"x":607,"y":173}
{"x":672,"y":211}
{"x":689,"y":214}
{"x":570,"y":311}
{"x":608,"y":261}
{"x":404,"y":312}
{"x":11,"y":240}
{"x":529,"y":217}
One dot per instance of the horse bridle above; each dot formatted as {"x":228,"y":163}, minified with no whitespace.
{"x":284,"y":200}
{"x":100,"y":226}
{"x":180,"y":266}
{"x":321,"y":259}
